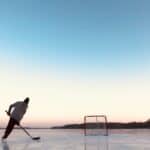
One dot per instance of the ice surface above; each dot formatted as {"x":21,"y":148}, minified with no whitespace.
{"x":75,"y":140}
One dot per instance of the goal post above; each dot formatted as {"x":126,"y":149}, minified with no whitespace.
{"x":95,"y":125}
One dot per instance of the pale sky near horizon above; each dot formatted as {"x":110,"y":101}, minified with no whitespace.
{"x":75,"y":58}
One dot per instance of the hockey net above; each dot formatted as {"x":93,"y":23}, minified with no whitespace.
{"x":95,"y":125}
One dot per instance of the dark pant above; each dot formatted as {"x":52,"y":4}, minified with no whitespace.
{"x":10,"y":127}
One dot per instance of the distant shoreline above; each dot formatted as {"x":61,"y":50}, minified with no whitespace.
{"x":109,"y":125}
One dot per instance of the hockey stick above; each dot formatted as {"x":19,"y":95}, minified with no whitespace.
{"x":33,"y":138}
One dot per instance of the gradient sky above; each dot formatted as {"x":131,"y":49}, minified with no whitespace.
{"x":75,"y":58}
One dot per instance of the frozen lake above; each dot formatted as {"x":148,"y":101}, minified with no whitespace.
{"x":138,"y":139}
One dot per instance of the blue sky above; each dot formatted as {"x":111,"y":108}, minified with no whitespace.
{"x":101,"y":34}
{"x":88,"y":37}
